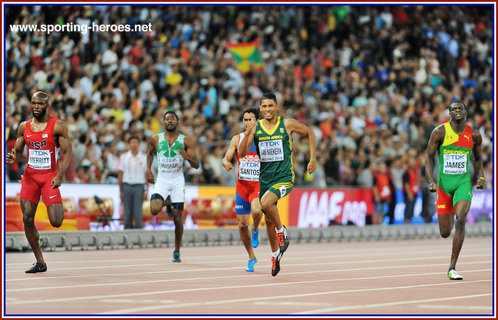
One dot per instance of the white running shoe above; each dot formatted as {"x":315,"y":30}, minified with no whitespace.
{"x":453,"y":275}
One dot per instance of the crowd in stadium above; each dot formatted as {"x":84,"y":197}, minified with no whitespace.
{"x":372,"y":81}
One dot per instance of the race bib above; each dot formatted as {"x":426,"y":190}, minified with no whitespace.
{"x":454,"y":163}
{"x":169,"y":165}
{"x":271,"y":151}
{"x":249,"y":168}
{"x":40,"y":159}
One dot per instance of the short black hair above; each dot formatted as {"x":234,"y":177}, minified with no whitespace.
{"x":457,"y":101}
{"x":170,"y":112}
{"x":253,"y":111}
{"x":133,"y":137}
{"x":268,"y":95}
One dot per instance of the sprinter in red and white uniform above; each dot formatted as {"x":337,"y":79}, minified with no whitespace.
{"x":43,"y":135}
{"x":247,"y":189}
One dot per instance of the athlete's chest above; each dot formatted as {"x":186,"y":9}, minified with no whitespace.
{"x":170,"y":148}
{"x":38,"y":137}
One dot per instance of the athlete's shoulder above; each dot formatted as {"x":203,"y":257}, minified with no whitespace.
{"x":24,"y":123}
{"x":476,"y":134}
{"x":440,"y":127}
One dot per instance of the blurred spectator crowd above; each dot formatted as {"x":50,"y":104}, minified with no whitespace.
{"x":372,"y":82}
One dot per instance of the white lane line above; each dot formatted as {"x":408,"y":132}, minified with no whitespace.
{"x":125,"y":283}
{"x":454,"y":307}
{"x":283,"y":297}
{"x":31,"y":278}
{"x":139,"y":301}
{"x":389,"y":304}
{"x":358,"y":252}
{"x":266,"y":284}
{"x":289,"y":303}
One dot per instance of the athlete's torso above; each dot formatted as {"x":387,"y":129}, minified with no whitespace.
{"x":249,"y":166}
{"x":274,"y":148}
{"x":42,"y":149}
{"x":454,"y":155}
{"x":170,"y":161}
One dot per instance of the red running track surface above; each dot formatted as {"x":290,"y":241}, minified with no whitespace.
{"x":336,"y":278}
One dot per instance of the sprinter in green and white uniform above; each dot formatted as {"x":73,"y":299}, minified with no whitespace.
{"x":171,"y":148}
{"x":456,"y":143}
{"x":272,"y":137}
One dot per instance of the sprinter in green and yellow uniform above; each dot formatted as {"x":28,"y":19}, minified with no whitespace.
{"x":272,"y":137}
{"x":456,"y":143}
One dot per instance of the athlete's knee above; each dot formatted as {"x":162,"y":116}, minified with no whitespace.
{"x":57,"y":221}
{"x":155,"y":208}
{"x":445,"y":233}
{"x":267,"y":206}
{"x":460,"y":223}
{"x":243,"y":224}
{"x":257,"y":213}
{"x":28,"y":220}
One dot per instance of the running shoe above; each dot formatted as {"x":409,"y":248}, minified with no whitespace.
{"x":250,"y":265}
{"x":283,"y":240}
{"x":453,"y":275}
{"x":169,"y":207}
{"x":176,"y":256}
{"x":275,"y":264}
{"x":37,"y":267}
{"x":255,"y":238}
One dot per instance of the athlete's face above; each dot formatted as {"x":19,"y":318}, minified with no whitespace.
{"x":38,"y":107}
{"x":170,"y":122}
{"x":268,"y":108}
{"x":249,"y":119}
{"x":458,"y":111}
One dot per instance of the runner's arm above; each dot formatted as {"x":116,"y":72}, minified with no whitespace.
{"x":292,"y":126}
{"x":151,"y":152}
{"x":477,"y":149}
{"x":435,"y":140}
{"x":189,"y":153}
{"x":246,"y":143}
{"x":16,"y":154}
{"x":232,"y":148}
{"x":62,"y":133}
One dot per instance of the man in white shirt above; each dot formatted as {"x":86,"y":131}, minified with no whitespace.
{"x":131,"y":178}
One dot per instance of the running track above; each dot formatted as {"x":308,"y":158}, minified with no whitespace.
{"x":338,"y":278}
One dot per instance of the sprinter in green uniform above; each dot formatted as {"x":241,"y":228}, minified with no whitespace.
{"x":456,"y":143}
{"x":272,"y":137}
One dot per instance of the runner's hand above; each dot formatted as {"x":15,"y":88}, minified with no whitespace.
{"x":11,"y":157}
{"x":184,"y":154}
{"x":311,"y":167}
{"x":227,"y":165}
{"x":432,"y":187}
{"x":149,"y":176}
{"x":251,"y":127}
{"x":480,"y":183}
{"x":56,"y":182}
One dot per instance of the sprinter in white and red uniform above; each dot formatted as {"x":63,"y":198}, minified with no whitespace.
{"x":247,"y":189}
{"x":43,"y":135}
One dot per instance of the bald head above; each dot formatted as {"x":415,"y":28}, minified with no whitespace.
{"x":39,"y":104}
{"x":40,"y":96}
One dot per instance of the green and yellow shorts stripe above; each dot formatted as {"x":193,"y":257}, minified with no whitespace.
{"x":281,"y":187}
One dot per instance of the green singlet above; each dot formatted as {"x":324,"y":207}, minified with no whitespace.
{"x":454,"y":178}
{"x":274,"y":149}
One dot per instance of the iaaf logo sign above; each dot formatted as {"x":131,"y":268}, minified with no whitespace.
{"x":318,"y":207}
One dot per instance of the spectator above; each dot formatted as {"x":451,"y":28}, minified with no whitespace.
{"x":341,"y":57}
{"x":410,"y":188}
{"x":131,"y":178}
